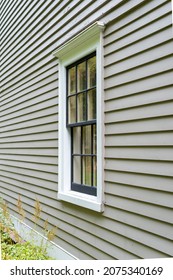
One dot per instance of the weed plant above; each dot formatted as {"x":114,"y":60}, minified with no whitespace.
{"x":13,"y":247}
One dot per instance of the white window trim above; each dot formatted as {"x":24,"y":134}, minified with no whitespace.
{"x":88,"y":41}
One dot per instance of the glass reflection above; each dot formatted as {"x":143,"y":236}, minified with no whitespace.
{"x":81,"y":76}
{"x":72,"y":80}
{"x":92,"y":72}
{"x":72,"y":109}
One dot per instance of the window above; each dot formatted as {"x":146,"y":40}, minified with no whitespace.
{"x":81,"y":118}
{"x":80,"y":174}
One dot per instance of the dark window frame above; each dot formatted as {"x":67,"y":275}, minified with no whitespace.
{"x":82,"y":188}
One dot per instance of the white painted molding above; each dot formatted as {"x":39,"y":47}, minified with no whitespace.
{"x":80,"y":39}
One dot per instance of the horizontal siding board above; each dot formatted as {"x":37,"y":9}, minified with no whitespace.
{"x":31,"y":60}
{"x":16,"y":10}
{"x":161,"y":198}
{"x":143,"y":85}
{"x":140,"y":166}
{"x":157,"y":124}
{"x":7,"y":9}
{"x":29,"y":143}
{"x":148,"y":181}
{"x":30,"y":93}
{"x":154,"y":80}
{"x":23,"y":181}
{"x":82,"y":12}
{"x":46,"y":15}
{"x":123,"y":13}
{"x":42,"y":78}
{"x":134,"y":62}
{"x":30,"y":116}
{"x":30,"y":137}
{"x":146,"y":43}
{"x":41,"y":99}
{"x":20,"y":23}
{"x":127,"y":37}
{"x":148,"y":21}
{"x":30,"y":130}
{"x":140,"y":72}
{"x":50,"y":152}
{"x":51,"y":177}
{"x":138,"y":36}
{"x":149,"y":153}
{"x":35,"y":122}
{"x":25,"y":187}
{"x":118,"y":252}
{"x":32,"y":159}
{"x":140,"y":139}
{"x":141,"y":112}
{"x":31,"y":75}
{"x":145,"y":209}
{"x":135,"y":16}
{"x":122,"y":240}
{"x":142,"y":222}
{"x":47,"y":168}
{"x":144,"y":98}
{"x":51,"y":104}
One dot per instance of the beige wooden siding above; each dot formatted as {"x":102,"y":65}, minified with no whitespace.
{"x":137,"y":220}
{"x":139,"y":124}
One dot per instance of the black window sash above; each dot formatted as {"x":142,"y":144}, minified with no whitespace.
{"x":82,"y":188}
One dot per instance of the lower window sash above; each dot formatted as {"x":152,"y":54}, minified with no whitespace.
{"x":84,"y":189}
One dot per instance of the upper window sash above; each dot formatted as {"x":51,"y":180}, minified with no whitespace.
{"x":81,"y":91}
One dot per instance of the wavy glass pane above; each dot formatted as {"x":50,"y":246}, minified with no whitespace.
{"x":87,"y":172}
{"x":81,"y":76}
{"x":92,"y":104}
{"x":81,"y":107}
{"x":77,"y":140}
{"x":72,"y":109}
{"x":77,"y":169}
{"x":72,"y":80}
{"x":86,"y":144}
{"x":91,"y":72}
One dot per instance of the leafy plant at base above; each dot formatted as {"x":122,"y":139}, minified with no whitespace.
{"x":12,"y":245}
{"x":24,"y":251}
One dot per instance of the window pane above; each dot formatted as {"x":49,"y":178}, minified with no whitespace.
{"x":77,"y":169}
{"x":94,"y":171}
{"x":72,"y":80}
{"x":94,"y":140}
{"x":72,"y":109}
{"x":82,"y":107}
{"x":92,"y":104}
{"x":81,"y":76}
{"x":77,"y":140}
{"x":92,"y":72}
{"x":86,"y":145}
{"x":87,"y":170}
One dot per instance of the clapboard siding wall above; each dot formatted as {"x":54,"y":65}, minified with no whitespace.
{"x":138,"y":117}
{"x":137,"y":221}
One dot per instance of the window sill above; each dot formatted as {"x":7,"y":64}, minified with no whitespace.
{"x":83,"y":200}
